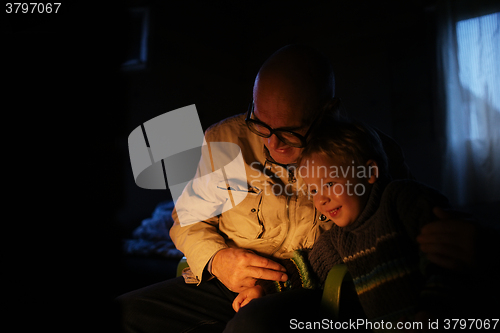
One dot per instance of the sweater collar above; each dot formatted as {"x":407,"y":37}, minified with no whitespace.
{"x":371,"y":206}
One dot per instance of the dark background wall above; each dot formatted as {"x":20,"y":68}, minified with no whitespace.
{"x":68,"y":110}
{"x":208,"y":54}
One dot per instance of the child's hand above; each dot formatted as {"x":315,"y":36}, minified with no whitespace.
{"x":246,"y":296}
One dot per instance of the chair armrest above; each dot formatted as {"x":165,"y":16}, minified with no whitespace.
{"x":331,"y":292}
{"x":181,"y":265}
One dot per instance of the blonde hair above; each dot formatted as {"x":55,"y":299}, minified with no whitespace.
{"x":350,"y":141}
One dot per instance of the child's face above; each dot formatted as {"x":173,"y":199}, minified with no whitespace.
{"x":337,"y":191}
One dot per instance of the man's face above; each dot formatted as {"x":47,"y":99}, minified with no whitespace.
{"x":280,"y":116}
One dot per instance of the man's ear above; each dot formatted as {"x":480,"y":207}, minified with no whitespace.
{"x":373,"y":174}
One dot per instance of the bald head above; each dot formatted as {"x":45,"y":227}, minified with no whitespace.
{"x":289,"y":91}
{"x":296,"y":79}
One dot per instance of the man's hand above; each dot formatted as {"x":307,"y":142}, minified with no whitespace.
{"x":246,"y":296}
{"x":450,"y":241}
{"x":238,"y":269}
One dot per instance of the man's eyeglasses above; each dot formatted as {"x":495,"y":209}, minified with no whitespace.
{"x":289,"y":138}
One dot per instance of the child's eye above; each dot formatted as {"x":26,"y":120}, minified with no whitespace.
{"x":313,"y":191}
{"x":329,"y":184}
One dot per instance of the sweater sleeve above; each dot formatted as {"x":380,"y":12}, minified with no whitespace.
{"x":415,"y":202}
{"x":300,"y":275}
{"x":324,"y":256}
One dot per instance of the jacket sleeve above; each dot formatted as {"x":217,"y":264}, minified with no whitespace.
{"x":196,"y":216}
{"x":199,"y":242}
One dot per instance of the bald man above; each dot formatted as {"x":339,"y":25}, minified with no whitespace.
{"x":291,"y":90}
{"x":228,"y":252}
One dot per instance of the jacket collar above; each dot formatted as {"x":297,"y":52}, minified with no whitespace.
{"x":272,"y":161}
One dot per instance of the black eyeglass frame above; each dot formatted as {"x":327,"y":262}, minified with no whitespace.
{"x":302,"y":138}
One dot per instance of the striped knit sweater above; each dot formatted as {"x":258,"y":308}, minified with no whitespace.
{"x":390,"y":275}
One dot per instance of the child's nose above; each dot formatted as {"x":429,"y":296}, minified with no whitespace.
{"x":323,"y":199}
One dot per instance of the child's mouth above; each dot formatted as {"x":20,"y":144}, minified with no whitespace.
{"x":335,"y":211}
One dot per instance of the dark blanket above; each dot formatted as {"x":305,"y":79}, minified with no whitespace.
{"x":152,"y":237}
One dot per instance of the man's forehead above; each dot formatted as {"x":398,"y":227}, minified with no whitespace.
{"x":278,"y":117}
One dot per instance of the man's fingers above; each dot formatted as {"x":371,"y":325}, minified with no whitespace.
{"x":439,"y":249}
{"x":445,"y":262}
{"x":439,"y":227}
{"x":258,"y":261}
{"x":447,"y":256}
{"x":449,"y":214}
{"x":267,"y":274}
{"x":237,"y":303}
{"x":444,"y":240}
{"x":238,"y":269}
{"x":433,"y":238}
{"x":245,"y":302}
{"x":458,"y":234}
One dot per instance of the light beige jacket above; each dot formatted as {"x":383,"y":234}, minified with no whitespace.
{"x":275,"y":218}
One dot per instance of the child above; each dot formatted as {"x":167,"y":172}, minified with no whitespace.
{"x":375,"y":226}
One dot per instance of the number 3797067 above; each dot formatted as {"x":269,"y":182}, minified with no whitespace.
{"x":470,"y":324}
{"x":32,"y":7}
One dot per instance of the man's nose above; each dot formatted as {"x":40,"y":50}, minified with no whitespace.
{"x":273,"y":142}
